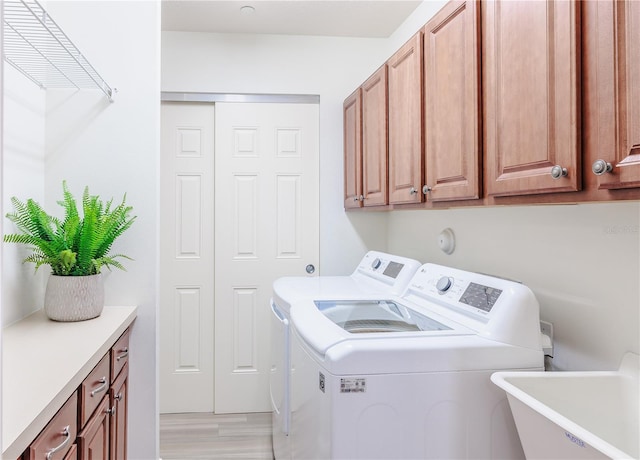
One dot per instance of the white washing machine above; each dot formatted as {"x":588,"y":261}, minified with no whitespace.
{"x":377,"y":274}
{"x":408,"y":377}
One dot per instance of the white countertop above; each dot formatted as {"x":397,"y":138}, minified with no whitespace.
{"x":43,"y":363}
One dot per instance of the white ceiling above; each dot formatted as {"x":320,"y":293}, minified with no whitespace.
{"x":347,"y":18}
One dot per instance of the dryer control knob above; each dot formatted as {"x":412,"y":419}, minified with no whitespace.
{"x":376,"y":264}
{"x":443,"y":284}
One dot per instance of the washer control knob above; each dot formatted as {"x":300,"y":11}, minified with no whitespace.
{"x":376,"y":264}
{"x":443,"y":284}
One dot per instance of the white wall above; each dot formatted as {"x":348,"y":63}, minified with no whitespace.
{"x":23,"y":163}
{"x":581,"y":261}
{"x":113,"y":148}
{"x":327,"y":66}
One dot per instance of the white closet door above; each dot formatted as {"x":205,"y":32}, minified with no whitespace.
{"x":266,"y":226}
{"x":186,"y":258}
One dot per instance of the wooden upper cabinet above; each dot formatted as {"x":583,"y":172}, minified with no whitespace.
{"x":352,"y":125}
{"x":453,"y":149}
{"x":374,"y":139}
{"x":531,"y":96}
{"x":405,"y":123}
{"x":612,"y":93}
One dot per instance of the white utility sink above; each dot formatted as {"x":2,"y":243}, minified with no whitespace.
{"x":576,"y":415}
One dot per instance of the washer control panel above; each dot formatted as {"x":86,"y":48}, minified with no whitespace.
{"x":498,"y":309}
{"x":474,"y":293}
{"x":481,"y":297}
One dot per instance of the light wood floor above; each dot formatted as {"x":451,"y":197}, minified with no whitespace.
{"x":210,"y":436}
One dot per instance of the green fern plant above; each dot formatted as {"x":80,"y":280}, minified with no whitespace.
{"x":76,"y":245}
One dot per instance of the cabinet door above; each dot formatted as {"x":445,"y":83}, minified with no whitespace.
{"x":612,"y":105}
{"x":531,"y":94}
{"x":374,"y":139}
{"x":93,"y":440}
{"x":405,"y":123}
{"x":352,"y":125}
{"x":452,"y":102}
{"x":119,"y":411}
{"x":73,"y":453}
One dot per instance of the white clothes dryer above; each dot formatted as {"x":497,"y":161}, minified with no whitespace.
{"x":408,"y":377}
{"x":377,"y":274}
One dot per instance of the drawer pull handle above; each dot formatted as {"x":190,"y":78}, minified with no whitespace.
{"x":102,"y":387}
{"x":125,"y":353}
{"x":67,"y":434}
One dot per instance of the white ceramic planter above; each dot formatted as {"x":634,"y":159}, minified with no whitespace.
{"x":74,"y":298}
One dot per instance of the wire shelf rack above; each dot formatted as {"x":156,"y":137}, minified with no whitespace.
{"x":40,"y":50}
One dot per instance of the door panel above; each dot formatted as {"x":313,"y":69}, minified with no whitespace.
{"x":405,"y":123}
{"x":374,"y":139}
{"x":266,"y":212}
{"x":452,"y":102}
{"x":531,"y":95}
{"x":612,"y":34}
{"x":186,"y":258}
{"x":352,"y":113}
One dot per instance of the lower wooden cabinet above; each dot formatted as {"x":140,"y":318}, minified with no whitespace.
{"x":92,"y":424}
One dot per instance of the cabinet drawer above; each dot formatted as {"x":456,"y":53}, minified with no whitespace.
{"x":93,"y":389}
{"x":119,"y":355}
{"x":59,"y":435}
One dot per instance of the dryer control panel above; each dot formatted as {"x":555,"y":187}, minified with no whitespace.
{"x":392,"y":270}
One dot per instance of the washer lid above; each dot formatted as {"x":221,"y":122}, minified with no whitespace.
{"x":376,"y":316}
{"x":325,"y":324}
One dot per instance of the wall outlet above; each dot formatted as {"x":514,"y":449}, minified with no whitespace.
{"x":546,"y":329}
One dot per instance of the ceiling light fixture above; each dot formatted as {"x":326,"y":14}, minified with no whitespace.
{"x":247,"y":10}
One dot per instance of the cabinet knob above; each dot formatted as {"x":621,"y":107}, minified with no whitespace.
{"x":361,"y":198}
{"x":413,"y":191}
{"x":426,"y":189}
{"x":558,"y":171}
{"x":355,"y":198}
{"x":599,"y":167}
